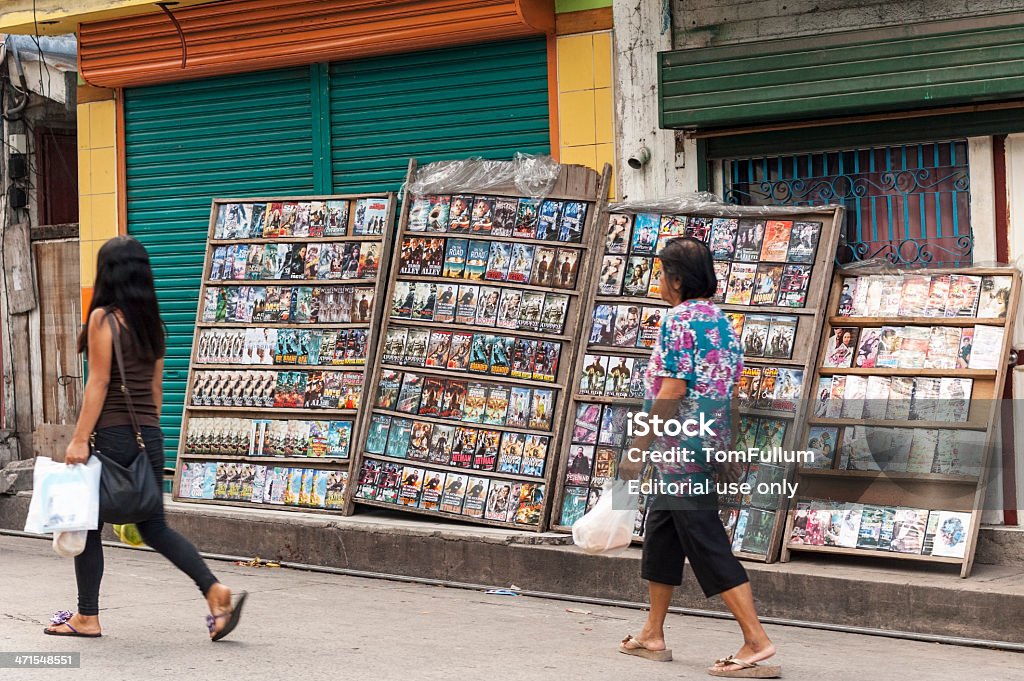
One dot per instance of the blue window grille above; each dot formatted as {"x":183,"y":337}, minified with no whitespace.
{"x":909,"y":204}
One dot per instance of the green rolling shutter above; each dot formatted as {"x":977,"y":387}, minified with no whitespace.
{"x":187,"y":143}
{"x":486,"y":100}
{"x":255,"y":134}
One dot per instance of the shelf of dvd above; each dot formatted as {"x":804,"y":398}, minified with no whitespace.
{"x":285,"y":331}
{"x":908,"y":383}
{"x":477,"y":346}
{"x":773,"y":266}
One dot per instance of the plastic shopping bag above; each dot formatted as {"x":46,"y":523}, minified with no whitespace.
{"x":64,"y":498}
{"x":608,"y":527}
{"x":69,"y":544}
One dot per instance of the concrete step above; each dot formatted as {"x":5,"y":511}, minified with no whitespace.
{"x":882,"y":594}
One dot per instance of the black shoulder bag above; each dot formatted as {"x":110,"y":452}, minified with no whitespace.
{"x":127,"y":494}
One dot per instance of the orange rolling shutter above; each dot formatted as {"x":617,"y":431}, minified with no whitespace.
{"x":238,"y":36}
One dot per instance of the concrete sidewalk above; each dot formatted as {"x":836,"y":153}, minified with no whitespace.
{"x":874,"y":594}
{"x":302,"y":625}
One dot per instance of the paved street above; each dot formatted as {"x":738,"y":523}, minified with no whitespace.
{"x":313,"y":626}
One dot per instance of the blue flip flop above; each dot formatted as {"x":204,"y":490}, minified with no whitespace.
{"x":62,"y":617}
{"x":234,"y":617}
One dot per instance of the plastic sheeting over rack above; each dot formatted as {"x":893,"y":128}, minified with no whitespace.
{"x":708,"y":203}
{"x":533,"y":176}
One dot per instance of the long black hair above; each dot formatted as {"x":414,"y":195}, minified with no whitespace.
{"x":687,"y":263}
{"x":124,"y":282}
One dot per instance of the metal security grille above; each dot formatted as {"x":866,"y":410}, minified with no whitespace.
{"x":909,"y":204}
{"x":349,"y":127}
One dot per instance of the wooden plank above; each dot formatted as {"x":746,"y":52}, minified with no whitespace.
{"x":53,"y":232}
{"x":21,"y":354}
{"x":20,"y":282}
{"x":585,"y":21}
{"x":60,"y":318}
{"x":52,"y":440}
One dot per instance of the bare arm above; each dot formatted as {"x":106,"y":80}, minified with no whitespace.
{"x":100,"y":349}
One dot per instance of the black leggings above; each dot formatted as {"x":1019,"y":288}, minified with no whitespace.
{"x":118,"y":443}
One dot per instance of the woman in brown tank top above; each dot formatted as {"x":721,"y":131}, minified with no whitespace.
{"x":124,"y":288}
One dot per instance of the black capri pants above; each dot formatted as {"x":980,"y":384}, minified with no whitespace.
{"x":689,"y":528}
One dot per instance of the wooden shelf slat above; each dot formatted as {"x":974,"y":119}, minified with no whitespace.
{"x":354,"y":368}
{"x":280,"y":325}
{"x":298,"y":239}
{"x":444,"y":514}
{"x":471,"y":375}
{"x":452,"y":422}
{"x":841,"y":550}
{"x":882,"y":423}
{"x":291,"y":282}
{"x":267,"y":460}
{"x":490,"y":237}
{"x":888,"y":476}
{"x":277,"y":410}
{"x":266,"y":507}
{"x":885,"y":371}
{"x":489,"y":330}
{"x":419,"y":278}
{"x":915,"y":321}
{"x":448,"y":468}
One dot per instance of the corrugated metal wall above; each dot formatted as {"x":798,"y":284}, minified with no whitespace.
{"x":487,"y":100}
{"x":253,"y":134}
{"x":186,"y":143}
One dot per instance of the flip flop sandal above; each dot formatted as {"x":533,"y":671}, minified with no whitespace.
{"x":747,"y":670}
{"x":61,"y":617}
{"x":631,"y":646}
{"x":234,"y":616}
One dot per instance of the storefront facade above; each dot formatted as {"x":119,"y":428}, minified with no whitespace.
{"x":910,"y":122}
{"x":209,"y":106}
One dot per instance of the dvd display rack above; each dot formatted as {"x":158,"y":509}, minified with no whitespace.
{"x":285,"y":338}
{"x":483,"y":309}
{"x":773,"y":266}
{"x":907,"y":389}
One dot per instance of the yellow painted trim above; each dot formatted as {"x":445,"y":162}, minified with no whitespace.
{"x":57,"y":17}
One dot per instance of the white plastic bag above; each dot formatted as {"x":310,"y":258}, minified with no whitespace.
{"x":64,"y":498}
{"x":69,"y":544}
{"x":608,"y":527}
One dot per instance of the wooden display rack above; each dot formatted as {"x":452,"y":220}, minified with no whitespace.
{"x":810,"y":319}
{"x":575,"y":183}
{"x":355,"y":416}
{"x":932,"y":491}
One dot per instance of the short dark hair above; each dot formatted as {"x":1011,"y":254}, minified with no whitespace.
{"x":688,"y":261}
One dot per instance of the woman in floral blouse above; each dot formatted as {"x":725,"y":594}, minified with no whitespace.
{"x":693,"y":371}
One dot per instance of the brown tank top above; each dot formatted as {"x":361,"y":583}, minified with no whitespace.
{"x":139,"y":376}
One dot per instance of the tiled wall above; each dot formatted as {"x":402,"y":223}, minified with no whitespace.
{"x":97,"y":185}
{"x":585,"y":100}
